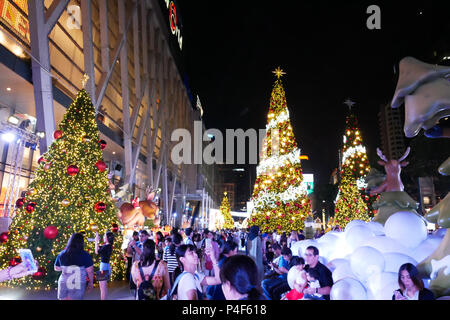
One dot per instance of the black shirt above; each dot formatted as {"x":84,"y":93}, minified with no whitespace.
{"x":81,"y":259}
{"x":105,"y":253}
{"x":325,"y":277}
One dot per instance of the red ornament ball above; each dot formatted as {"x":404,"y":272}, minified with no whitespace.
{"x":20,"y":202}
{"x":72,"y":170}
{"x":51,"y":232}
{"x":57,"y":134}
{"x":41,"y":159}
{"x":4,"y":237}
{"x":40,"y":274}
{"x":115,"y":227}
{"x":101,"y":166}
{"x":102,"y":144}
{"x":30,"y":207}
{"x":100,"y":207}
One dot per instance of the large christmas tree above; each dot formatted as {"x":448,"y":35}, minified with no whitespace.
{"x":349,"y":205}
{"x":69,"y":194}
{"x":279,"y":198}
{"x":228,"y":222}
{"x":354,"y":156}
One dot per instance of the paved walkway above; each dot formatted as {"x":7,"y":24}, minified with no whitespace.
{"x":118,"y":290}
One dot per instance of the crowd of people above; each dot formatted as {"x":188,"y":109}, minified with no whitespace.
{"x":205,"y":265}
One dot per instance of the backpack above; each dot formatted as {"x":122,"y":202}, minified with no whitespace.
{"x":146,"y":291}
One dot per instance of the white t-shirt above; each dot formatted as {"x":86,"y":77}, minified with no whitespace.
{"x":189,"y":282}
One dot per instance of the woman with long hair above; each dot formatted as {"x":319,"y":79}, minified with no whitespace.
{"x":240,"y":280}
{"x":105,"y":253}
{"x":148,"y":266}
{"x":75,"y":264}
{"x":411,"y":285}
{"x":189,"y":284}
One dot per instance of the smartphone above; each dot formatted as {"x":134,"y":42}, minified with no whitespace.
{"x":27,"y":258}
{"x":208,"y":243}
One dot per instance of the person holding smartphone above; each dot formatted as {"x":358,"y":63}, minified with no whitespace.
{"x":105,"y":253}
{"x":411,"y":285}
{"x":19,"y":271}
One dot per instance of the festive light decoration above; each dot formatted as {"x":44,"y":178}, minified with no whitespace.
{"x":228,"y":222}
{"x":279,"y":199}
{"x":350,"y":206}
{"x":51,"y":191}
{"x":354,"y":156}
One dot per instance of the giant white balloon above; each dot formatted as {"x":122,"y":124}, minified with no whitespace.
{"x":356,"y":236}
{"x":300,"y":247}
{"x":407,"y":228}
{"x":348,"y":289}
{"x":394,"y":260}
{"x":376,"y":227}
{"x":343,"y":271}
{"x":387,"y":292}
{"x":354,"y":223}
{"x":378,"y":281}
{"x":294,"y":274}
{"x":366,"y":261}
{"x":333,"y":264}
{"x":386,"y":244}
{"x":426,"y":248}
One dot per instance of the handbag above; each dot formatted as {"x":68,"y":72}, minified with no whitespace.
{"x":102,"y":275}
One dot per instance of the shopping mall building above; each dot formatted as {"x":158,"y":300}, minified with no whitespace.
{"x":131,"y":50}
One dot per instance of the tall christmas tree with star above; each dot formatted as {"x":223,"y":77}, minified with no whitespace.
{"x":69,"y":194}
{"x":279,"y":197}
{"x":354,"y":156}
{"x":349,"y":206}
{"x":228,"y":222}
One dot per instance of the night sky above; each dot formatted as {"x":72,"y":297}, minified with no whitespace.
{"x":231,"y":47}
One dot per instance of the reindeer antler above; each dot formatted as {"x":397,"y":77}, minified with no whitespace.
{"x":381,"y":155}
{"x":405,"y":155}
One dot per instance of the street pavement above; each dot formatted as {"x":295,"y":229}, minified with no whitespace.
{"x":118,"y":290}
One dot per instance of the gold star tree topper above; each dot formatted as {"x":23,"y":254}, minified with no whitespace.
{"x":279,"y":72}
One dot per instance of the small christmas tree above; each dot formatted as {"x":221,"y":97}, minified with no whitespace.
{"x":228,"y":222}
{"x":69,"y":194}
{"x":280,"y":200}
{"x":349,"y":205}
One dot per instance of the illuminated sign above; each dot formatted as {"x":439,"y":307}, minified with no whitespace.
{"x":308,"y":181}
{"x":14,"y":19}
{"x":173,"y":22}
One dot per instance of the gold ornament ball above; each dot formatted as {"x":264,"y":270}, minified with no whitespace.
{"x":31,"y":192}
{"x":65,"y":203}
{"x":93,"y":227}
{"x":47,"y":166}
{"x":38,"y":249}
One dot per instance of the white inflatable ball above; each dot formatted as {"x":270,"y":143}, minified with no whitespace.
{"x":407,"y":228}
{"x":366,"y":261}
{"x":379,"y":281}
{"x":386,"y":244}
{"x":333,"y":264}
{"x":303,"y":244}
{"x":387,"y":291}
{"x":342,"y":272}
{"x":328,"y":237}
{"x":376,"y":227}
{"x":354,"y":223}
{"x":426,"y":248}
{"x":356,"y":236}
{"x":394,"y":260}
{"x":294,"y":275}
{"x":348,"y":289}
{"x":296,"y":249}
